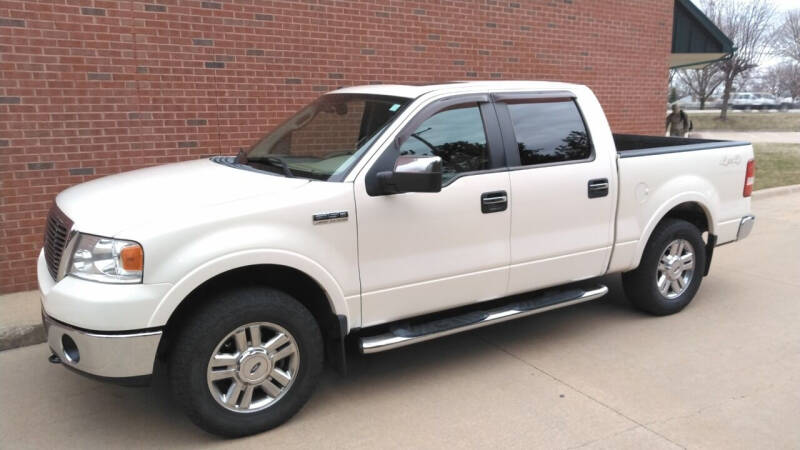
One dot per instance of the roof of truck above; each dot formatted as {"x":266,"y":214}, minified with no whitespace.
{"x":414,"y":91}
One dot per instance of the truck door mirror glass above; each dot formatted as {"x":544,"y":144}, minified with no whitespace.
{"x":412,"y":174}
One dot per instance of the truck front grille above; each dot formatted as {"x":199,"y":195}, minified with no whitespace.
{"x":55,"y":239}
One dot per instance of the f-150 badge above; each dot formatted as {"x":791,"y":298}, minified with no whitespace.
{"x":339,"y":216}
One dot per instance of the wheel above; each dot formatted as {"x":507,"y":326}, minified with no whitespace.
{"x":670,"y":271}
{"x":246,"y":361}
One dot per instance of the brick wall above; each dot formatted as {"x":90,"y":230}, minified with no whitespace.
{"x":94,"y":87}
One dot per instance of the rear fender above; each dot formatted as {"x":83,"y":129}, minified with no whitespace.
{"x":699,"y":198}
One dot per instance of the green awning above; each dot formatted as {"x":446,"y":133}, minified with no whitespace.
{"x":696,"y":41}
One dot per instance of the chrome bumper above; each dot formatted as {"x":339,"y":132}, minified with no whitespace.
{"x":745,"y":226}
{"x":124,"y":355}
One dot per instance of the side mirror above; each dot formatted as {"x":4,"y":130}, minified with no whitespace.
{"x":412,"y":174}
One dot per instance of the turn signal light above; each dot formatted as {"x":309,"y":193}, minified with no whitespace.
{"x":132,"y":258}
{"x":749,"y":178}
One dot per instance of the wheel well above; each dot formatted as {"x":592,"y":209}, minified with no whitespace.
{"x":691,"y":212}
{"x":289,"y":280}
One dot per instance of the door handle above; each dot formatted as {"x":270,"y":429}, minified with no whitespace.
{"x":598,"y":187}
{"x":492,"y":202}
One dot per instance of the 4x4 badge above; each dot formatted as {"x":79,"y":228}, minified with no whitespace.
{"x":338,"y":216}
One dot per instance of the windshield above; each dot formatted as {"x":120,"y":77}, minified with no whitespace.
{"x":325,"y":139}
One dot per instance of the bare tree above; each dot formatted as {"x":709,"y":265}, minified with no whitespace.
{"x":747,"y":24}
{"x":702,"y":83}
{"x":788,"y":74}
{"x":781,"y":80}
{"x":769,"y":80}
{"x":787,"y":36}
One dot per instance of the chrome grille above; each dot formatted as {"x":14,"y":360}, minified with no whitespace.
{"x":55,"y":239}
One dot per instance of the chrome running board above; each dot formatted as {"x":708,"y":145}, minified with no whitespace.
{"x":406,"y":334}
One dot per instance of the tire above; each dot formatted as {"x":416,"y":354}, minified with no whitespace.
{"x":642,"y":285}
{"x":291,"y":364}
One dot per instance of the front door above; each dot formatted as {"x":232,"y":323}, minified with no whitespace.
{"x":424,"y":252}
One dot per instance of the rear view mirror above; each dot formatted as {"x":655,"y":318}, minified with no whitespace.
{"x":412,"y":174}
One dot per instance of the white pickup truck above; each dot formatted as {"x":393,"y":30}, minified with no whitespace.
{"x":378,"y":217}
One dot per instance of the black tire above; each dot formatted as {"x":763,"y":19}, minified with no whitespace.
{"x":641,"y":286}
{"x":212,"y":322}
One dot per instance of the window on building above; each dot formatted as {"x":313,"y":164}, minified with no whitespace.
{"x":456,"y":135}
{"x":549,"y":132}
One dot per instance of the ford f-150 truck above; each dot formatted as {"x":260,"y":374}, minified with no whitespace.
{"x":376,"y":217}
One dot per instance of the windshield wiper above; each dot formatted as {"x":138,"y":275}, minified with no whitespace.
{"x":274,"y":161}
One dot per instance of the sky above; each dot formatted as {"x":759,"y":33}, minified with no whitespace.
{"x":784,"y":5}
{"x":781,"y":6}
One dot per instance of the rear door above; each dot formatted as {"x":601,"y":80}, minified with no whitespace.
{"x":562,"y":213}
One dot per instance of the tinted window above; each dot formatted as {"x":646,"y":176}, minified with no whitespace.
{"x":549,"y":132}
{"x":456,"y":135}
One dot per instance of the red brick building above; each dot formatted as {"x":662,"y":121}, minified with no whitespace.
{"x":94,"y":87}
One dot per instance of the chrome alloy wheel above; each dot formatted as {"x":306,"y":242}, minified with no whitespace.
{"x":675,"y":268}
{"x":253,"y":367}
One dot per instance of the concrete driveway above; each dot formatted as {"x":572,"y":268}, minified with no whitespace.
{"x":724,"y":373}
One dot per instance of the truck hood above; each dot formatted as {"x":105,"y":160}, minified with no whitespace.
{"x":108,"y":205}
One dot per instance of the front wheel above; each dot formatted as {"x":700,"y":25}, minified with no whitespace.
{"x":670,"y":271}
{"x":246,"y":361}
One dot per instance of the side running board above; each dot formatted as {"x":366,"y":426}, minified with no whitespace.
{"x":407,"y":334}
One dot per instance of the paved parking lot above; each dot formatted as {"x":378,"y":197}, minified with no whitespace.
{"x":725,"y":373}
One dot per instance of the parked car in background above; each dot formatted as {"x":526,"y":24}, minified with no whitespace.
{"x":758,"y":100}
{"x":789,"y":103}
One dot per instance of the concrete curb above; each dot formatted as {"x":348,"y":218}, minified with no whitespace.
{"x":21,"y":336}
{"x":772,"y":192}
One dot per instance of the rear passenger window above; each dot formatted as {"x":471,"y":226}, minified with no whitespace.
{"x":549,"y":132}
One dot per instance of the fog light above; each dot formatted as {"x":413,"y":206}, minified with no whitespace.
{"x":70,"y":349}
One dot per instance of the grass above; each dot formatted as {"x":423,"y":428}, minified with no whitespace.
{"x":777,"y":165}
{"x":747,"y":121}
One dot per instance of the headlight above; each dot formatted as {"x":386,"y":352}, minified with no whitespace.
{"x":107,"y":260}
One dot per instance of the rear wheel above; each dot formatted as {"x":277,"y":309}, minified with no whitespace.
{"x":246,"y":361}
{"x":670,"y":271}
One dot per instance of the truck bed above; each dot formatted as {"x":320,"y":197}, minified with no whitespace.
{"x":676,"y":172}
{"x":631,"y":145}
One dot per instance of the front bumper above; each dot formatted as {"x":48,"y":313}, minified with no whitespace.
{"x":124,"y":355}
{"x":745,"y":227}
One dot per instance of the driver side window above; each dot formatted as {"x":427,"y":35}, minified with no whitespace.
{"x":456,"y":135}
